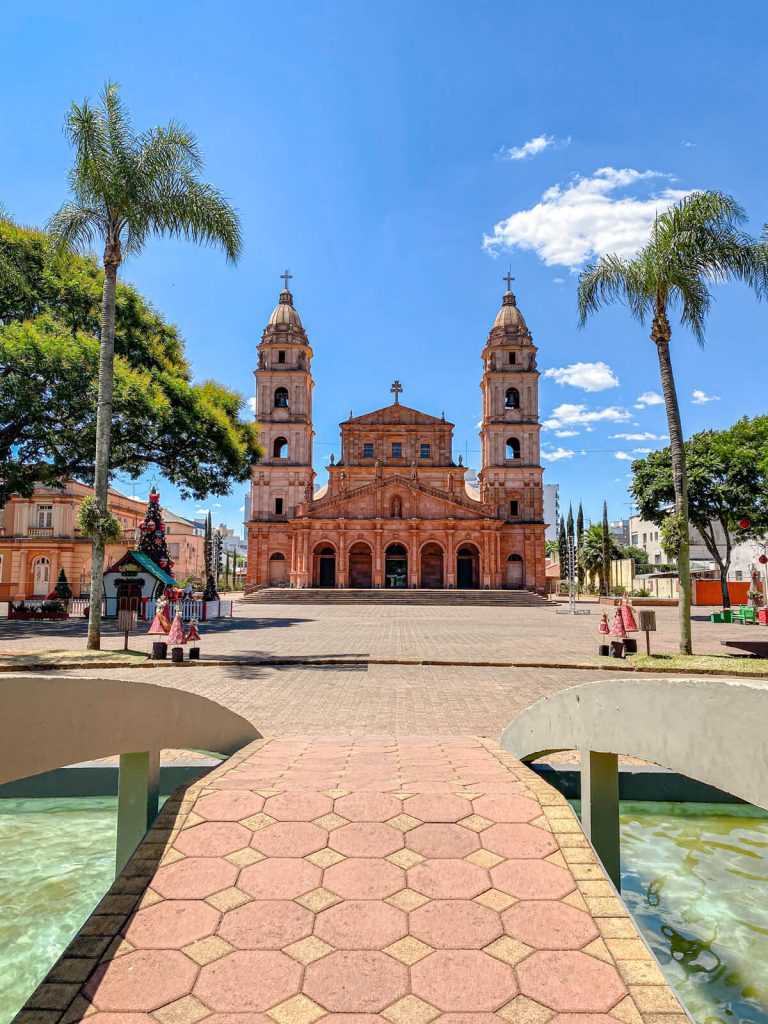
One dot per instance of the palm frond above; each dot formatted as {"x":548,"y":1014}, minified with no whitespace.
{"x":75,"y":227}
{"x":187,"y":208}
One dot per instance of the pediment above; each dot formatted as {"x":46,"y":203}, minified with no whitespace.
{"x":397,"y":414}
{"x":394,"y":484}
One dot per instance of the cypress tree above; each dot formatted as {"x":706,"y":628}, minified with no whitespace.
{"x":579,"y":540}
{"x":562,"y":548}
{"x":606,"y":551}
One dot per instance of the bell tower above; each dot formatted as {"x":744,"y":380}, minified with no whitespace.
{"x":284,"y":384}
{"x":511,"y":473}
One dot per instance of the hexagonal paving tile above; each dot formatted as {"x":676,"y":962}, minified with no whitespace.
{"x":442,"y":840}
{"x":229,"y":805}
{"x":448,"y":879}
{"x":518,"y":840}
{"x":361,"y":924}
{"x":143,"y":980}
{"x":435,"y":807}
{"x":532,"y":879}
{"x":455,"y":924}
{"x":227,"y":1018}
{"x":366,"y":839}
{"x":171,"y":924}
{"x":549,"y":924}
{"x":577,"y":1018}
{"x":289,"y":839}
{"x":266,"y":924}
{"x":281,"y":878}
{"x":245,"y":981}
{"x":363,"y":879}
{"x":442,"y":980}
{"x":570,"y":982}
{"x":194,"y":878}
{"x":507,"y":808}
{"x":356,"y":981}
{"x":212,"y":839}
{"x":298,"y":806}
{"x":368,"y":806}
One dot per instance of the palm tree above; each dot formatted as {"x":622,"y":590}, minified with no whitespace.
{"x":694,"y":244}
{"x":593,"y":555}
{"x":126,"y":187}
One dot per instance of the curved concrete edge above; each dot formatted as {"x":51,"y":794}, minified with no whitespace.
{"x":47,"y":722}
{"x":713,"y":730}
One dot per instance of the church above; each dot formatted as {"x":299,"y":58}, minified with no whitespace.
{"x":397,"y":511}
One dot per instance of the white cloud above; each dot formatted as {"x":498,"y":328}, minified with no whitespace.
{"x":566,"y":433}
{"x":478,"y":424}
{"x":648,"y":398}
{"x":578,"y":415}
{"x":701,"y":398}
{"x":585,"y":218}
{"x":644,"y":436}
{"x":217,"y":504}
{"x":557,"y":453}
{"x":623,"y":456}
{"x":558,"y":280}
{"x":587,"y":376}
{"x":202,"y":511}
{"x":252,"y":404}
{"x":241,"y":509}
{"x":642,"y":451}
{"x":533,"y":147}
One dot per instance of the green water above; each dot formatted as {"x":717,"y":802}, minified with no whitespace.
{"x":695,"y":878}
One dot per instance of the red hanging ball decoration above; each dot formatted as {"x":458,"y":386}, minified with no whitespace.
{"x":744,"y":524}
{"x":763,"y":559}
{"x":151,"y":527}
{"x":163,"y":562}
{"x":154,"y":497}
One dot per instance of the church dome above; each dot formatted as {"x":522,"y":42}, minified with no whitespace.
{"x":509,"y":316}
{"x":284,"y":313}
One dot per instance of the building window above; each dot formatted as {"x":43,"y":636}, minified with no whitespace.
{"x":278,"y":506}
{"x":512,"y":400}
{"x":514,"y":508}
{"x":280,"y":356}
{"x":425,"y":451}
{"x":512,"y":448}
{"x":368,"y":450}
{"x":657,"y":559}
{"x":397,"y":449}
{"x":634,"y":539}
{"x":645,"y":539}
{"x":738,"y":575}
{"x":280,"y":448}
{"x":281,"y":398}
{"x":45,"y":515}
{"x":173,"y":550}
{"x":513,"y":357}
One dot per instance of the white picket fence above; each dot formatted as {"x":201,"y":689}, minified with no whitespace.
{"x":190,"y":609}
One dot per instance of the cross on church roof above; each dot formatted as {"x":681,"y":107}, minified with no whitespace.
{"x":509,"y":279}
{"x":395,"y":390}
{"x":286,"y":277}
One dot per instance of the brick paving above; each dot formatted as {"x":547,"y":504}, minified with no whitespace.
{"x":353,"y":880}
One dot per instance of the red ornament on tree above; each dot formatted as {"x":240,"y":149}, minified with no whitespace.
{"x":151,"y":527}
{"x":744,"y":524}
{"x":763,"y":559}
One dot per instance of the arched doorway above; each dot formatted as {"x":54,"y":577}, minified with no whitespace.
{"x":325,"y":566}
{"x":41,"y":577}
{"x":396,"y":566}
{"x":278,"y":569}
{"x":468,"y":567}
{"x":432,"y":576}
{"x":360,"y":565}
{"x":515,"y":573}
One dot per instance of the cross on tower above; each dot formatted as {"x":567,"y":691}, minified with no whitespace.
{"x":286,"y":277}
{"x":509,"y":279}
{"x":395,"y":390}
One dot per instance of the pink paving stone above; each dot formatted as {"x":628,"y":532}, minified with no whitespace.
{"x":233,"y":1018}
{"x":356,"y":981}
{"x":143,"y":980}
{"x":366,"y":839}
{"x":194,"y":878}
{"x":459,"y":1018}
{"x":212,"y":839}
{"x":266,"y":924}
{"x":442,"y":840}
{"x":548,"y":924}
{"x":532,"y":879}
{"x":123,"y":1018}
{"x":230,"y":805}
{"x":463,"y":980}
{"x":368,"y":807}
{"x":448,"y":879}
{"x":570,"y":982}
{"x":361,"y":924}
{"x":455,"y":924}
{"x":363,"y":879}
{"x":507,"y":808}
{"x":245,"y":981}
{"x":281,"y":878}
{"x":437,"y":807}
{"x":298,"y":806}
{"x":518,"y":840}
{"x":172,"y":924}
{"x":289,"y":839}
{"x":573,"y":1018}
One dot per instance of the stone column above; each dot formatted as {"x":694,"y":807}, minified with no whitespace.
{"x":378,"y":561}
{"x":138,"y":790}
{"x":600,"y":808}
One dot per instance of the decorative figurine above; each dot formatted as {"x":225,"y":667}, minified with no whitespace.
{"x":627,"y":614}
{"x":161,"y":623}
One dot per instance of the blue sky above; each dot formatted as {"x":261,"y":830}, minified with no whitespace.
{"x":373,"y":147}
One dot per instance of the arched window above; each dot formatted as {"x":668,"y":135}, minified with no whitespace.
{"x":280,"y":448}
{"x":512,"y":399}
{"x":277,"y":556}
{"x":513,"y":448}
{"x":281,"y":398}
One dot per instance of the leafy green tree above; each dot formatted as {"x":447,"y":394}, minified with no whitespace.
{"x":126,"y":187}
{"x":608,"y":546}
{"x":694,"y":244}
{"x":62,"y":588}
{"x":639,"y":556}
{"x":551,"y":548}
{"x":727,"y":482}
{"x":592,"y":555}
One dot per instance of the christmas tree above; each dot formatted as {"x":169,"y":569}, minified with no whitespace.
{"x":62,"y":588}
{"x":152,"y":536}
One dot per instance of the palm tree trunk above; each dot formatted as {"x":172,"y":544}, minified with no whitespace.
{"x":660,"y":335}
{"x":103,"y":433}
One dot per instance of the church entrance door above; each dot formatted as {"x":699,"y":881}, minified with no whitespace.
{"x":278,"y":569}
{"x":396,"y":567}
{"x":360,"y":566}
{"x":326,"y":568}
{"x":467,"y":568}
{"x":515,"y":573}
{"x":432,"y":567}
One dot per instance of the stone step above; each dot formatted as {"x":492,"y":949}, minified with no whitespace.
{"x":317,"y":595}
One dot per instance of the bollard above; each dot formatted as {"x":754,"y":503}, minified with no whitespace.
{"x":630,"y":645}
{"x":602,"y":650}
{"x":159,"y":651}
{"x":194,"y":654}
{"x":616,"y":649}
{"x":177,"y":655}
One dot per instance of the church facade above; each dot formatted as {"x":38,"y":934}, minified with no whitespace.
{"x":396,"y":511}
